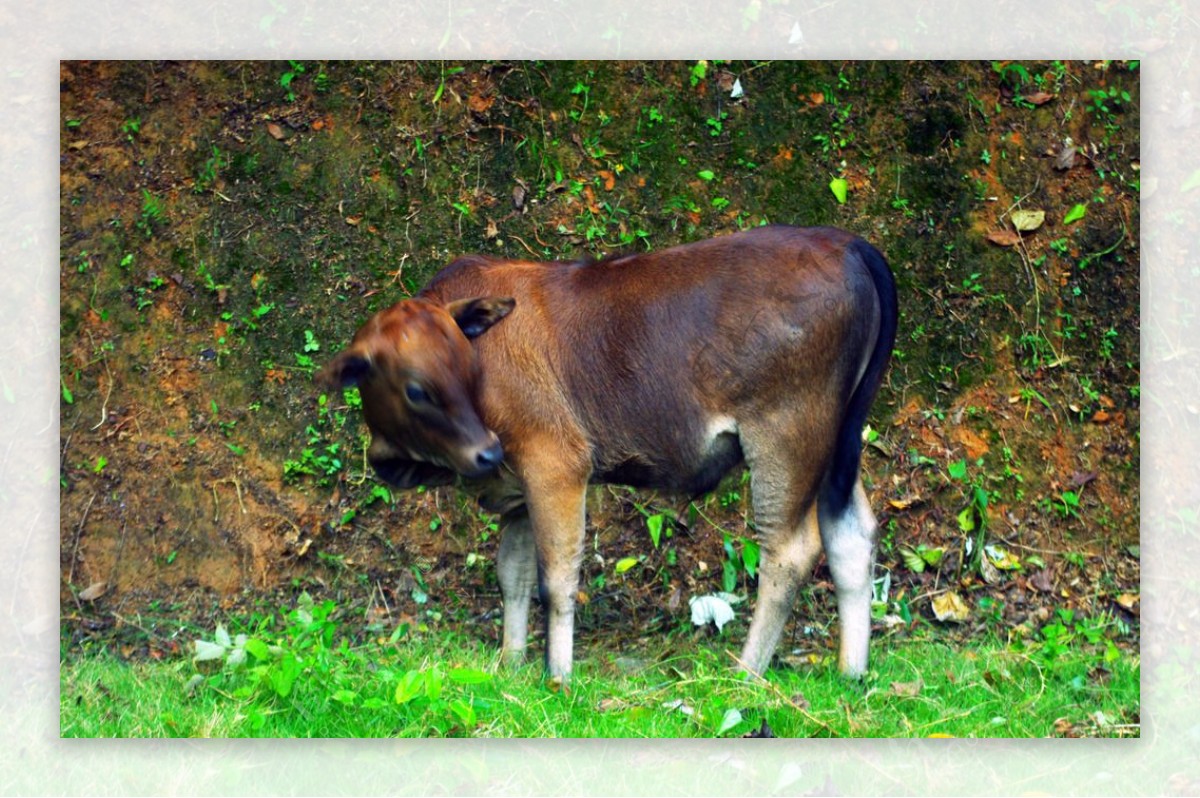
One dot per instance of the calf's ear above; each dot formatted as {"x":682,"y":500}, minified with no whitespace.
{"x":347,"y":368}
{"x":476,"y":316}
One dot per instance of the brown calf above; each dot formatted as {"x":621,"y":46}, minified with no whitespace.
{"x":660,"y":370}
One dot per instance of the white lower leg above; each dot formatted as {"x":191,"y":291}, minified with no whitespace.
{"x":516,"y":570}
{"x":560,"y":623}
{"x":849,"y":548}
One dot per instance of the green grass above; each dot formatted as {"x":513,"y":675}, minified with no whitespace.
{"x":308,"y":682}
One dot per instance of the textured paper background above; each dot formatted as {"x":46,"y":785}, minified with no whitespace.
{"x":36,"y":36}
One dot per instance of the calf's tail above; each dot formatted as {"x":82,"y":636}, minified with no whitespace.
{"x":843,"y":471}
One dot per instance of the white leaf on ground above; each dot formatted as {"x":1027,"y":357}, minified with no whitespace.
{"x":208,"y":651}
{"x":732,"y":718}
{"x":710,"y":609}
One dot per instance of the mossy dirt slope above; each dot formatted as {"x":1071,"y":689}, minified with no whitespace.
{"x":226,"y":226}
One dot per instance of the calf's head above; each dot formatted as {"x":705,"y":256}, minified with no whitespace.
{"x":417,"y":373}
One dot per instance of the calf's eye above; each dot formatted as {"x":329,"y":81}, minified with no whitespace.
{"x":417,"y":395}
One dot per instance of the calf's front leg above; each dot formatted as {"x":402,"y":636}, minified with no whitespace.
{"x":556,"y":510}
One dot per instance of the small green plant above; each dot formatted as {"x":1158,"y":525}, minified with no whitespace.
{"x":1067,"y":505}
{"x":581,"y":89}
{"x":973,"y":518}
{"x":1106,"y":102}
{"x":741,"y":557}
{"x":1074,"y":646}
{"x":208,"y":173}
{"x":1012,"y":75}
{"x":1108,"y":343}
{"x":131,"y":127}
{"x":154,"y":213}
{"x":296,"y":68}
{"x":304,"y":359}
{"x":270,"y":671}
{"x":716,"y":123}
{"x":917,"y":558}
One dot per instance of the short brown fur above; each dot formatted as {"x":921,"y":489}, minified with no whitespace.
{"x":661,"y":370}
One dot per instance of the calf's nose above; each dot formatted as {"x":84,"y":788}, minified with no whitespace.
{"x":489,"y":458}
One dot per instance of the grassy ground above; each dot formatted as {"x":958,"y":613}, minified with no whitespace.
{"x":227,"y":225}
{"x":297,"y":677}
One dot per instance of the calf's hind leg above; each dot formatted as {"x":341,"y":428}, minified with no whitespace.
{"x":788,"y":556}
{"x":784,"y":499}
{"x":849,"y":539}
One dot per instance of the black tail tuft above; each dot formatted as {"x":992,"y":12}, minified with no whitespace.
{"x":843,"y":472}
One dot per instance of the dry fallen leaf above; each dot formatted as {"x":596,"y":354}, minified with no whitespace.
{"x":1039,"y":97}
{"x":1128,"y":600}
{"x":950,"y":608}
{"x":1026,"y":221}
{"x":1042,"y":581}
{"x":1004,"y":238}
{"x":1065,"y":727}
{"x":93,"y":591}
{"x":275,"y":130}
{"x":1065,"y":158}
{"x":480,"y":103}
{"x":989,"y":572}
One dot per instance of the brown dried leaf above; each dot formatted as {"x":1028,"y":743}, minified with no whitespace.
{"x":93,"y":591}
{"x":1042,"y":581}
{"x":480,"y":103}
{"x":1081,"y":478}
{"x":1004,"y":238}
{"x":353,"y":220}
{"x":1128,"y":601}
{"x":1065,"y":158}
{"x":1065,"y":727}
{"x":950,"y":608}
{"x":1039,"y":97}
{"x":275,"y":130}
